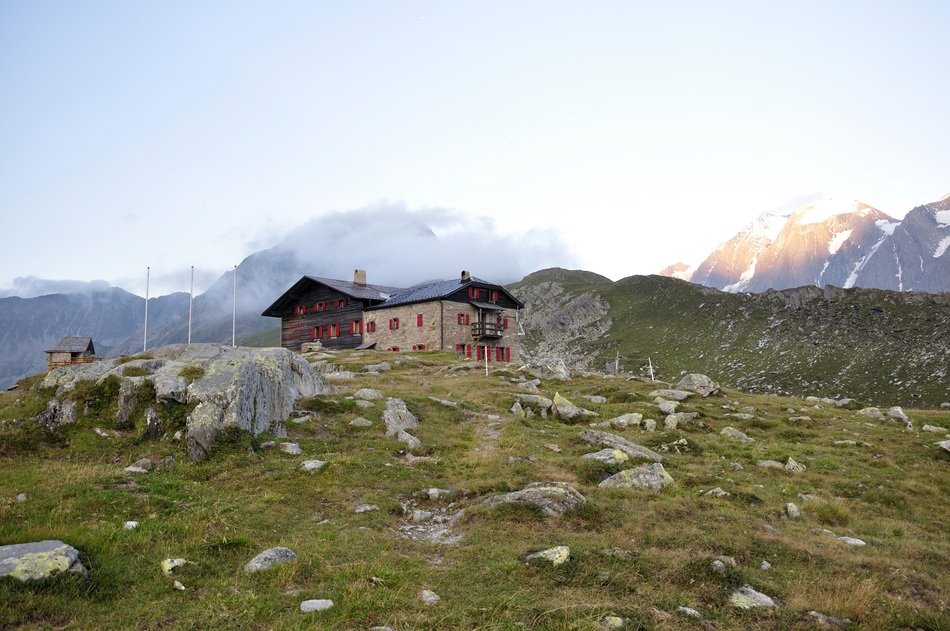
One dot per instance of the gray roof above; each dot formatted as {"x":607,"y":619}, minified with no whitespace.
{"x":432,"y":290}
{"x":363,"y":292}
{"x":73,"y":344}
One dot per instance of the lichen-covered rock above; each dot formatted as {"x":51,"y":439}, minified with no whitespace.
{"x":624,"y":421}
{"x":566,"y":410}
{"x":553,"y":498}
{"x":945,"y":445}
{"x":368,"y":394}
{"x":556,"y":556}
{"x":698,"y":383}
{"x":359,"y":421}
{"x":897,"y":412}
{"x":732,"y":432}
{"x":792,"y":511}
{"x":852,"y":541}
{"x":39,"y":560}
{"x":652,"y":477}
{"x":793,"y":466}
{"x":269,"y":558}
{"x":606,"y":439}
{"x":828,"y":621}
{"x":57,"y":414}
{"x":609,"y":457}
{"x":667,"y":407}
{"x":398,"y":419}
{"x":747,"y":598}
{"x":311,"y":465}
{"x":316,"y":604}
{"x":291,"y":448}
{"x":250,"y":389}
{"x":770,"y":464}
{"x":671,"y":394}
{"x":874,"y":413}
{"x":535,"y":401}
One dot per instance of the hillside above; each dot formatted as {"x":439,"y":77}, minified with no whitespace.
{"x":782,"y":512}
{"x":873,"y":345}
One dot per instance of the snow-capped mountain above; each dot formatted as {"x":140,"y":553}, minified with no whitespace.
{"x":835,"y":242}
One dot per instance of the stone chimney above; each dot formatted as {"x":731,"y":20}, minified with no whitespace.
{"x":359,"y":277}
{"x":465,"y":277}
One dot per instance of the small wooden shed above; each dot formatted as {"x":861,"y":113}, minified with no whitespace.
{"x":70,"y":350}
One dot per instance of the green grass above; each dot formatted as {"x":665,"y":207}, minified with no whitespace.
{"x":631,"y":551}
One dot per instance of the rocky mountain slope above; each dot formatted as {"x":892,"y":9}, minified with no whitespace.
{"x":845,"y":244}
{"x":869,"y":344}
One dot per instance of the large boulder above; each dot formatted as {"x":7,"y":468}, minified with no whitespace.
{"x":651,"y":477}
{"x":39,"y":560}
{"x":398,"y":419}
{"x":553,"y":498}
{"x":606,"y":439}
{"x":57,"y":414}
{"x":700,"y":384}
{"x":252,"y":389}
{"x":565,"y":409}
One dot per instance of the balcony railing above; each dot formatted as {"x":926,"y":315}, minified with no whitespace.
{"x":487,"y":329}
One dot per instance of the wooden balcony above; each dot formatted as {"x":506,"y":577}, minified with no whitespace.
{"x":482,"y":330}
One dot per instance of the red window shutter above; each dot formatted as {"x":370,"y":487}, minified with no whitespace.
{"x":313,"y":333}
{"x":338,"y":330}
{"x":395,"y":349}
{"x":396,"y":320}
{"x":422,"y":347}
{"x":418,"y":319}
{"x":414,"y":347}
{"x":507,"y":353}
{"x":468,"y":350}
{"x":458,"y":348}
{"x":499,"y":354}
{"x":468,"y":319}
{"x":504,"y":323}
{"x":343,"y":302}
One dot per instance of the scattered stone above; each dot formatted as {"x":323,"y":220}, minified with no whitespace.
{"x":794,"y":467}
{"x":429,"y":597}
{"x":311,"y":465}
{"x":742,"y":416}
{"x":698,"y":383}
{"x":170,"y":565}
{"x":735,"y":466}
{"x":828,"y":621}
{"x":807,"y":497}
{"x":874,"y":413}
{"x":368,"y":394}
{"x":770,"y":529}
{"x":652,"y":477}
{"x":667,"y":407}
{"x":609,"y":457}
{"x":747,"y":598}
{"x":770,"y":464}
{"x":553,"y":498}
{"x":623,"y":421}
{"x":143,"y":465}
{"x":178,"y":585}
{"x":798,"y":419}
{"x":552,"y":447}
{"x":530,"y":386}
{"x":945,"y":405}
{"x":535,"y":401}
{"x":611,"y":623}
{"x":57,"y":414}
{"x":670,"y":422}
{"x":556,"y":556}
{"x":445,"y":402}
{"x":649,"y":425}
{"x":434,"y":493}
{"x":39,"y":560}
{"x":690,"y":612}
{"x":765,"y":566}
{"x":268,"y":444}
{"x":933,"y":428}
{"x":945,"y":445}
{"x":659,"y":615}
{"x":291,"y":448}
{"x":270,"y":558}
{"x":718,"y":566}
{"x":732,"y":432}
{"x":517,"y":410}
{"x":319,"y":604}
{"x":672,"y":395}
{"x":300,"y":420}
{"x":398,"y":419}
{"x":845,"y":443}
{"x":716,"y":492}
{"x":359,"y":421}
{"x":566,"y":410}
{"x":381,"y":367}
{"x":21,"y":497}
{"x":101,"y":432}
{"x":605,"y":439}
{"x":792,"y":511}
{"x":130,"y":525}
{"x":897,"y":412}
{"x":596,"y":399}
{"x":366,"y":508}
{"x":851,"y":541}
{"x":727,"y":560}
{"x":363,"y":404}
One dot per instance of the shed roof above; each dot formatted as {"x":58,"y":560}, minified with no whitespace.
{"x":73,"y":344}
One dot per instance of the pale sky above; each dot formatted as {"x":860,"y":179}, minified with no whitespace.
{"x":178,"y":133}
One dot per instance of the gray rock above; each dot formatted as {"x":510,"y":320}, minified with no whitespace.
{"x":700,"y":384}
{"x":845,"y":443}
{"x":270,"y":558}
{"x":553,"y":447}
{"x":798,"y":419}
{"x":649,"y":425}
{"x":429,"y":597}
{"x":142,"y":465}
{"x":366,"y":508}
{"x":718,"y":566}
{"x":606,"y":439}
{"x":365,"y":405}
{"x":398,"y":419}
{"x":130,"y":525}
{"x":732,"y":432}
{"x":558,"y":555}
{"x":897,"y":412}
{"x":179,"y":586}
{"x":631,"y":419}
{"x":368,"y":394}
{"x":611,"y":623}
{"x":671,"y":422}
{"x":445,"y":402}
{"x":747,"y":598}
{"x":851,"y":541}
{"x":668,"y":407}
{"x":689,"y":612}
{"x":553,"y":498}
{"x":319,"y":604}
{"x":517,"y":410}
{"x":21,"y":497}
{"x":678,"y":419}
{"x":566,"y":410}
{"x":291,"y":448}
{"x":596,"y":399}
{"x":39,"y":560}
{"x":770,"y":464}
{"x":945,"y":405}
{"x":311,"y":465}
{"x":765,"y":566}
{"x":945,"y":445}
{"x":717,"y":492}
{"x":792,"y":511}
{"x":672,"y":395}
{"x":535,"y":401}
{"x":793,"y":466}
{"x":530,"y":386}
{"x":57,"y":414}
{"x":828,"y":621}
{"x":300,"y":420}
{"x":652,"y":477}
{"x":741,"y":416}
{"x":125,"y":404}
{"x":874,"y":413}
{"x":381,"y":367}
{"x":359,"y":421}
{"x":610,"y":457}
{"x":933,"y":428}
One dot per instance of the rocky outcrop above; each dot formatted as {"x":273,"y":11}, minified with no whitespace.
{"x":269,"y":558}
{"x":398,"y":419}
{"x":700,"y":384}
{"x":651,"y":477}
{"x":553,"y":498}
{"x":606,"y":439}
{"x":57,"y":414}
{"x":251,"y":389}
{"x":39,"y":560}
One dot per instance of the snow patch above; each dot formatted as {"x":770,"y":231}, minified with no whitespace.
{"x":838,"y":240}
{"x":942,"y":247}
{"x":853,"y":276}
{"x":943,"y":216}
{"x":887,"y":227}
{"x":825,"y":209}
{"x":744,"y":280}
{"x":767,"y":226}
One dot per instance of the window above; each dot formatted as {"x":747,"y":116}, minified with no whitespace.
{"x":507,"y":353}
{"x":504,"y":323}
{"x":494,"y":296}
{"x":422,"y":347}
{"x":371,"y":326}
{"x":418,"y":319}
{"x":394,"y":324}
{"x":342,"y":302}
{"x":468,"y":350}
{"x":460,"y":348}
{"x":300,"y":310}
{"x":395,"y":349}
{"x":499,"y":354}
{"x":313,"y":333}
{"x":460,"y":317}
{"x":336,"y":303}
{"x":475,"y":293}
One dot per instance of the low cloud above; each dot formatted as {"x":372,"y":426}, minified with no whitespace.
{"x":31,"y":287}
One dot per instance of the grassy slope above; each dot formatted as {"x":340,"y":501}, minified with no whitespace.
{"x":631,"y":550}
{"x":876,"y":346}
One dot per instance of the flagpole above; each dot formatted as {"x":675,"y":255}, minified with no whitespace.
{"x":191,"y":298}
{"x":145,"y":339}
{"x":234,"y":310}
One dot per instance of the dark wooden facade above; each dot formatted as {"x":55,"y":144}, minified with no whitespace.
{"x":331,"y":317}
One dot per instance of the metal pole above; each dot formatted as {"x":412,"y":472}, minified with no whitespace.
{"x":651,"y":369}
{"x":191,"y":298}
{"x":147,"y":278}
{"x":234,"y":310}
